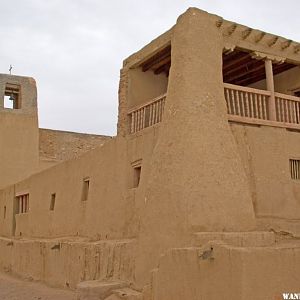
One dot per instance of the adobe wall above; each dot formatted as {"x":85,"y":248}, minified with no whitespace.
{"x":237,"y":273}
{"x":145,"y":86}
{"x":109,"y":212}
{"x":18,"y":132}
{"x":186,"y":190}
{"x":284,"y":82}
{"x":56,"y":146}
{"x":265,"y":152}
{"x":199,"y":174}
{"x":64,"y":263}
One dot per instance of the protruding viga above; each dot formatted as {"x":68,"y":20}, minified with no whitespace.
{"x":186,"y":190}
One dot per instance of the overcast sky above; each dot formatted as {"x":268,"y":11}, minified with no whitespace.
{"x":75,"y":48}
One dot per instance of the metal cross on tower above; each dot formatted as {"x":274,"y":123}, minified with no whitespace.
{"x":10,"y":68}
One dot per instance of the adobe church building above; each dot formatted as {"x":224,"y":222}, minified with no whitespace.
{"x":198,"y":195}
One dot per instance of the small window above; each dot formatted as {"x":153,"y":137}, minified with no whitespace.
{"x":137,"y":170}
{"x":85,"y":189}
{"x":23,"y":203}
{"x":295,"y":168}
{"x":52,"y":202}
{"x":12,"y":99}
{"x":4,"y":212}
{"x":137,"y":176}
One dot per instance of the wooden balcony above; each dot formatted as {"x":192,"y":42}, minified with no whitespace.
{"x":147,"y":114}
{"x":244,"y":105}
{"x":253,"y":106}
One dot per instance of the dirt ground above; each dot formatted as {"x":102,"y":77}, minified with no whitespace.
{"x":15,"y":289}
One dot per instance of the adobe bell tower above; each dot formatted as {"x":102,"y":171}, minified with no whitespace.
{"x":19,"y":133}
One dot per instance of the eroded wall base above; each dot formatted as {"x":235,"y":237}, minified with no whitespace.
{"x":65,"y":263}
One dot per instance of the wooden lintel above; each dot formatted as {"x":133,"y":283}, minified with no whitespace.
{"x":263,"y":56}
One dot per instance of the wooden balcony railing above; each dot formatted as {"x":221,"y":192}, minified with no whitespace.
{"x":287,"y":108}
{"x":251,"y":105}
{"x":246,"y":102}
{"x":147,"y":115}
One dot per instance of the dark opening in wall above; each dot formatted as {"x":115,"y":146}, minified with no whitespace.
{"x":52,"y":202}
{"x":240,"y":67}
{"x":297,"y":93}
{"x":23,"y":203}
{"x":85,"y":189}
{"x":137,"y":170}
{"x":4,"y":212}
{"x":137,"y":176}
{"x":295,"y":169}
{"x":12,"y":96}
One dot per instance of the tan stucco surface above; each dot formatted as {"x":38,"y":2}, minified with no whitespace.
{"x":204,"y":183}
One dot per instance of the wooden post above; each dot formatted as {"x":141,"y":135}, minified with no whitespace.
{"x":270,"y":87}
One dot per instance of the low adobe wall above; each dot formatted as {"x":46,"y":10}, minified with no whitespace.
{"x":65,"y":263}
{"x":227,"y":272}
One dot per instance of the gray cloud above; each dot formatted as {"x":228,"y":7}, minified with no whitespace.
{"x":74,"y":48}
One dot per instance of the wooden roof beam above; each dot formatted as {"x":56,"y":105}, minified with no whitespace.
{"x":156,"y":58}
{"x":241,"y":60}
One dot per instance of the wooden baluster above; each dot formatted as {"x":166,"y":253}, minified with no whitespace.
{"x":230,"y":104}
{"x":282,"y":109}
{"x":260,"y":110}
{"x":237,"y":101}
{"x":252,"y":105}
{"x":132,"y":122}
{"x":163,"y":105}
{"x":233,"y":102}
{"x":277,"y":109}
{"x":247,"y":105}
{"x":242,"y":103}
{"x":226,"y":93}
{"x":289,"y":111}
{"x":144,"y":116}
{"x":265,"y":107}
{"x":160,"y":110}
{"x":153,"y":114}
{"x":286,"y":111}
{"x":138,"y":120}
{"x":256,"y":106}
{"x":294,"y":112}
